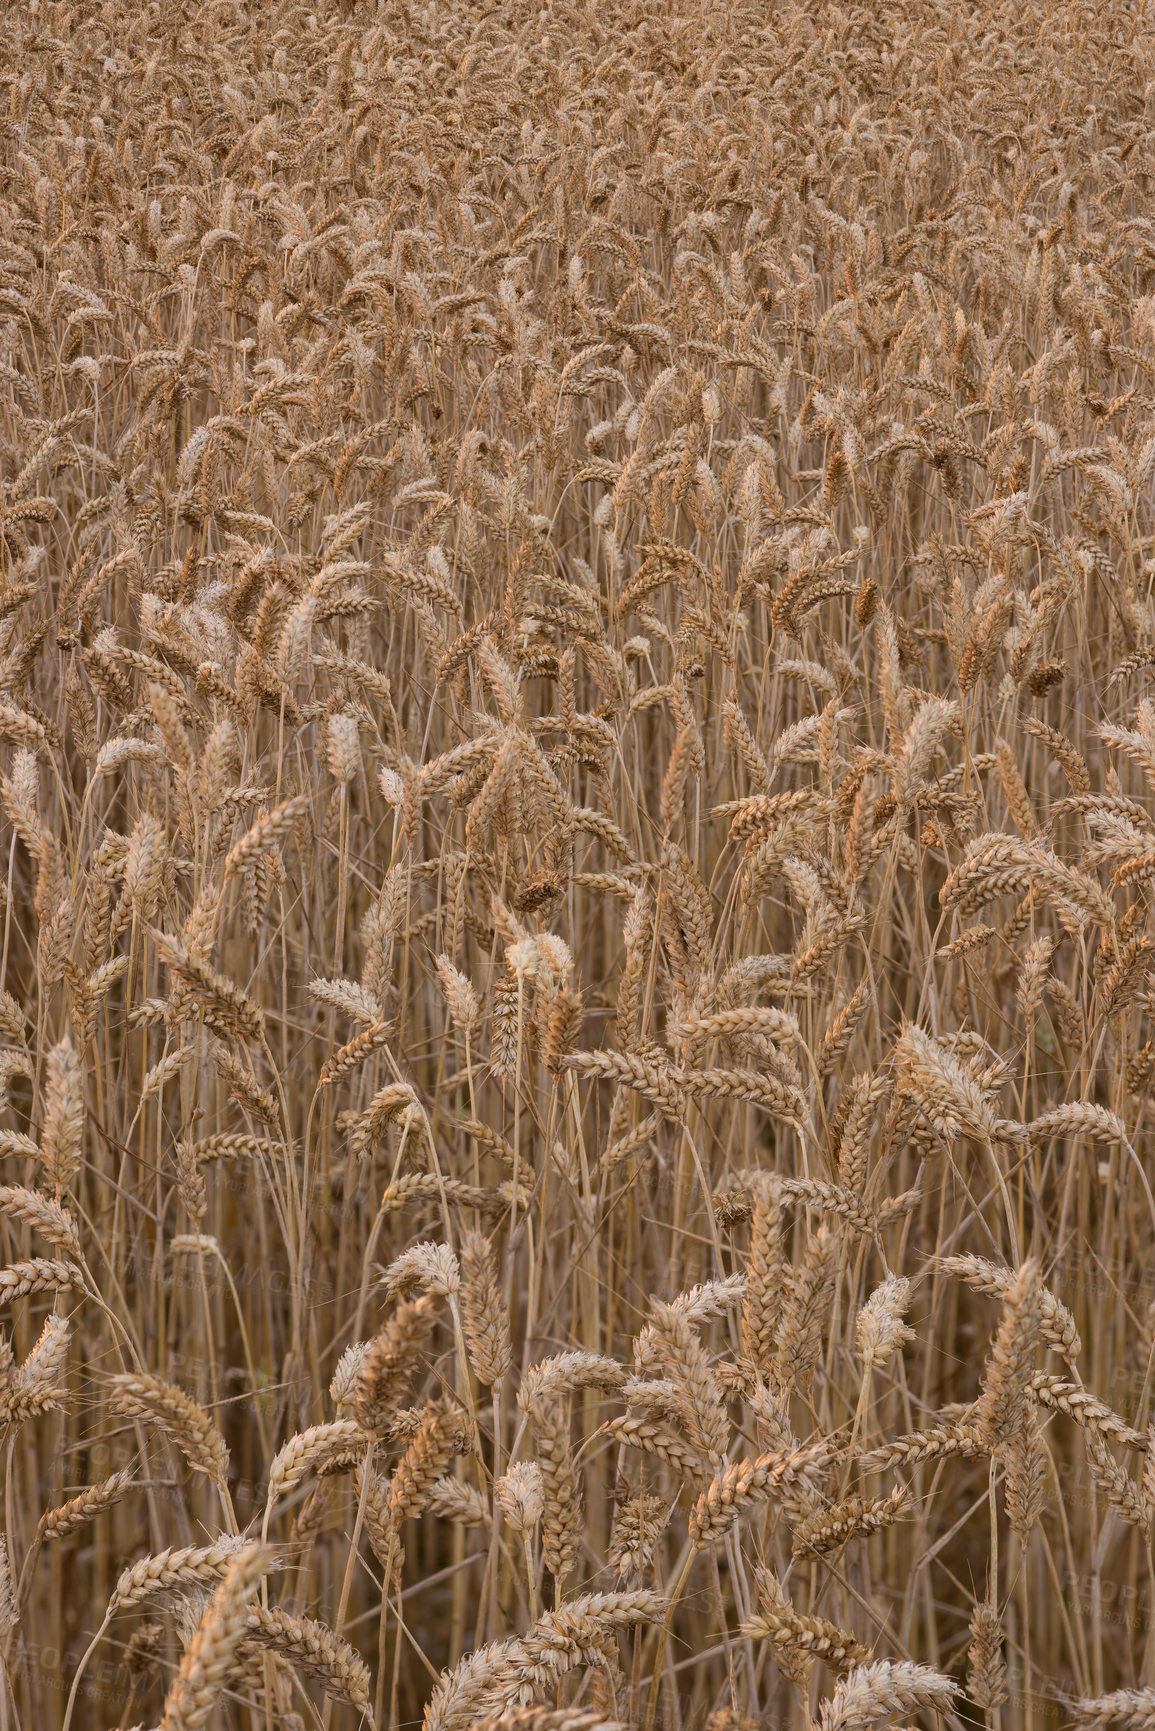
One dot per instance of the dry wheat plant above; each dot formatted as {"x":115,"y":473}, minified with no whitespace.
{"x":577,"y":760}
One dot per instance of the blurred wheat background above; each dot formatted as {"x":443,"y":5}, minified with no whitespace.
{"x":577,"y":769}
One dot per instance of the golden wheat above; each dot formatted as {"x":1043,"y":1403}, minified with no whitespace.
{"x":577,"y":976}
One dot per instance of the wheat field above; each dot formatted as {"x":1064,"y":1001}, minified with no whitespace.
{"x":577,"y":768}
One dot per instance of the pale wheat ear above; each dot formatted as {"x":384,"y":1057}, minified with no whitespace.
{"x":548,"y":1719}
{"x":314,"y":1450}
{"x":179,"y":1416}
{"x":1130,"y":1708}
{"x":62,"y":1135}
{"x":1001,"y":1405}
{"x":797,"y":1639}
{"x":484,"y":1317}
{"x":829,"y":1529}
{"x":86,"y":1506}
{"x":211,"y":1654}
{"x":1056,"y":1322}
{"x":880,"y":1330}
{"x":883,"y":1689}
{"x":190,"y":1565}
{"x":313,"y":1649}
{"x":765,"y":1275}
{"x":387,"y":1364}
{"x":430,"y":1449}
